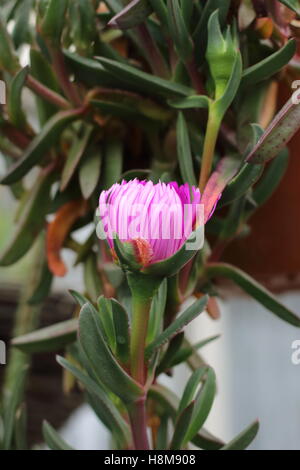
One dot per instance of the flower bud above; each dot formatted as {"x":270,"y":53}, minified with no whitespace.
{"x":221,"y":55}
{"x":146,"y":224}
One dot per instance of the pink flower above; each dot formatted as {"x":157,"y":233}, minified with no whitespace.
{"x":156,"y":218}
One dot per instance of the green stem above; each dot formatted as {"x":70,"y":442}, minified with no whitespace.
{"x":212,"y":130}
{"x":143,"y":289}
{"x":140,"y":319}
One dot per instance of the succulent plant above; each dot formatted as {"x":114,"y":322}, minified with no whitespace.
{"x":159,"y":90}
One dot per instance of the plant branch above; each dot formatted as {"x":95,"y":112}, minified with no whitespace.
{"x":212,"y":130}
{"x":46,"y":93}
{"x":62,"y":73}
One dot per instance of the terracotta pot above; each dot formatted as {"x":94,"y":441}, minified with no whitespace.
{"x":271,"y":253}
{"x":44,"y":396}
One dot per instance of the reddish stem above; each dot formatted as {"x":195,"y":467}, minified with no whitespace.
{"x":45,"y":92}
{"x":138,"y":421}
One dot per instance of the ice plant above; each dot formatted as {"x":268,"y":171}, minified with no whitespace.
{"x":155,"y":218}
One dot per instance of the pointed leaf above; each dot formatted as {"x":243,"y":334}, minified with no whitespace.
{"x":203,"y":405}
{"x":184,"y":152}
{"x":244,"y":439}
{"x":40,"y":145}
{"x":52,"y":438}
{"x":269,"y":66}
{"x":101,"y":359}
{"x":51,"y":338}
{"x":184,"y":318}
{"x":182,"y":424}
{"x":31,"y":221}
{"x":121,"y":326}
{"x":254,"y":289}
{"x":281,"y":130}
{"x":135,"y":13}
{"x":89,"y":171}
{"x":194,"y":101}
{"x":144,"y":81}
{"x":191,"y":388}
{"x":15,"y":111}
{"x":178,"y":30}
{"x":74,"y":156}
{"x":111,"y":414}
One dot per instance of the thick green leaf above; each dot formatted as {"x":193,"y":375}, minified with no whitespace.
{"x":283,"y":127}
{"x":162,"y":433}
{"x":53,"y":440}
{"x":21,"y":31}
{"x":79,"y":298}
{"x":178,"y":30}
{"x":82,"y":20}
{"x":169,"y":402}
{"x":168,"y":357}
{"x":191,"y":388}
{"x":185,"y":352}
{"x":271,"y":178}
{"x":31,"y":221}
{"x":157,"y":312}
{"x":160,"y":9}
{"x":206,"y":441}
{"x":254,"y":289}
{"x":54,"y":20}
{"x":194,"y":101}
{"x":51,"y":338}
{"x":15,"y":111}
{"x":8,"y":59}
{"x":89,"y":171}
{"x":181,"y":427}
{"x":122,"y":331}
{"x":40,"y":145}
{"x":244,"y":439}
{"x":241,"y":183}
{"x":269,"y":66}
{"x":203,"y":405}
{"x":90,"y":72}
{"x":101,"y":360}
{"x":107,"y":322}
{"x":75,"y":154}
{"x":113,"y":163}
{"x":184,"y":152}
{"x":111,"y":415}
{"x":184,"y":318}
{"x":92,"y":279}
{"x":144,"y":81}
{"x":44,"y":286}
{"x":41,"y":70}
{"x":135,"y":13}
